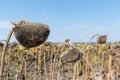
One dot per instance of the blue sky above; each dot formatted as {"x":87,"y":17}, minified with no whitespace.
{"x":77,"y":20}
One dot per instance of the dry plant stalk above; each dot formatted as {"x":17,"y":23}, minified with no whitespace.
{"x":87,"y":59}
{"x":103,"y":60}
{"x":25,"y":71}
{"x":51,"y":67}
{"x":83,"y":70}
{"x":87,"y":67}
{"x":35,"y":66}
{"x":45,"y":67}
{"x":4,"y":52}
{"x":75,"y":71}
{"x":110,"y":67}
{"x":101,"y":39}
{"x":58,"y":73}
{"x":39,"y":65}
{"x":35,"y":63}
{"x":8,"y":66}
{"x":56,"y":51}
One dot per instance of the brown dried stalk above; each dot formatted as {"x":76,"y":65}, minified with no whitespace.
{"x":88,"y":53}
{"x":87,"y":60}
{"x":8,"y":65}
{"x":110,"y":67}
{"x":35,"y":66}
{"x":75,"y":71}
{"x":51,"y":68}
{"x":4,"y":52}
{"x":25,"y":71}
{"x":39,"y":65}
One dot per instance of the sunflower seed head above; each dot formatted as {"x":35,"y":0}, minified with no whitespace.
{"x":102,"y":39}
{"x":72,"y":55}
{"x":30,"y":34}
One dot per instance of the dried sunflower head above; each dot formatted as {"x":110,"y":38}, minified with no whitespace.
{"x":30,"y":34}
{"x":67,"y":40}
{"x":72,"y":55}
{"x":102,"y":39}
